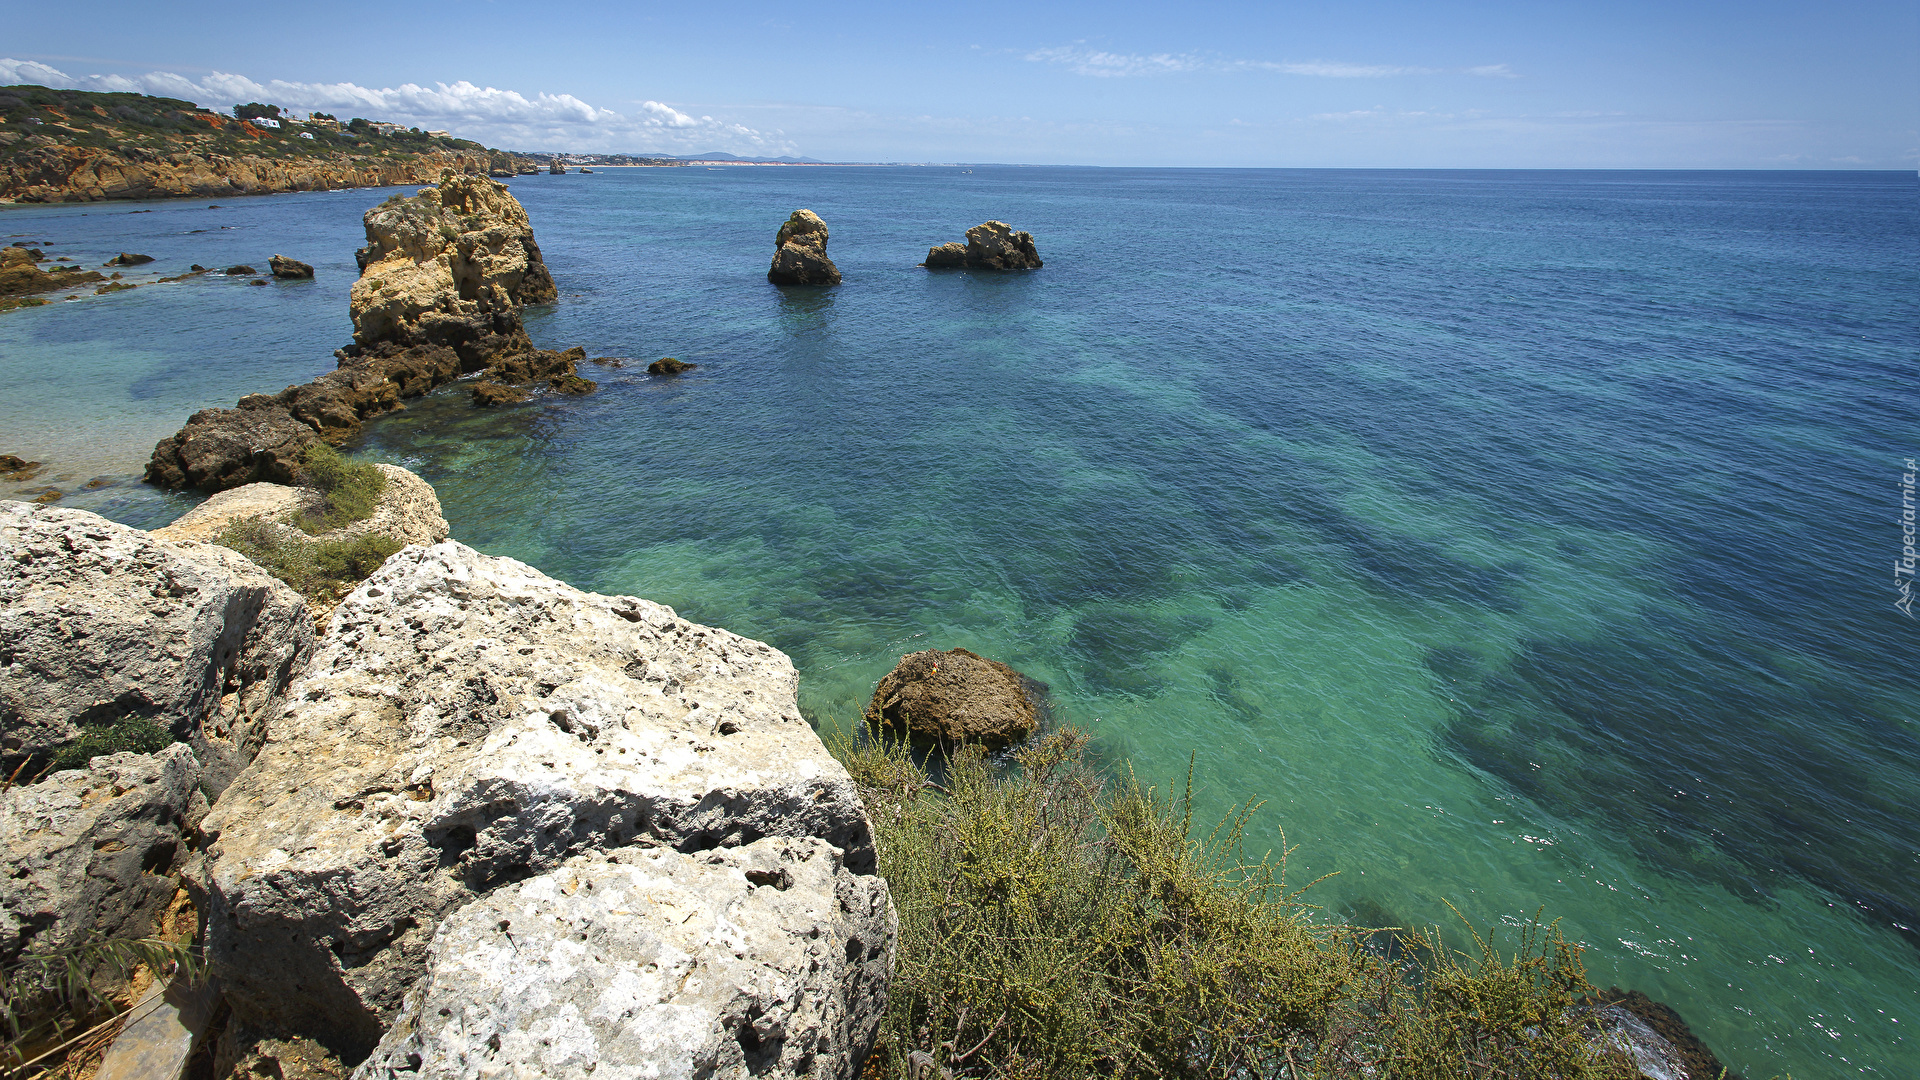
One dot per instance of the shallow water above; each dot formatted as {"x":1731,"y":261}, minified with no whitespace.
{"x":1524,"y":540}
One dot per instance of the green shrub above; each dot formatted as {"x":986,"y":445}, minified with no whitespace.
{"x":1055,"y":925}
{"x":352,"y":489}
{"x":320,"y":570}
{"x":133,"y":734}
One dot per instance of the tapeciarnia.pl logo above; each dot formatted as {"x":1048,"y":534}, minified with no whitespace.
{"x":1903,"y":567}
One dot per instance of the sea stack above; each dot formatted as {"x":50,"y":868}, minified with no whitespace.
{"x":801,"y":255}
{"x":991,"y":245}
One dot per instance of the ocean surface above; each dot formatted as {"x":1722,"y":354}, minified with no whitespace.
{"x":1523,"y":540}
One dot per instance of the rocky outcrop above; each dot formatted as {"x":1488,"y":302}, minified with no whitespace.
{"x":448,"y":266}
{"x":770,"y":959}
{"x":20,"y":277}
{"x":284,"y":267}
{"x":85,"y":853}
{"x":127,"y":258}
{"x":667,"y":365}
{"x":800,"y":252}
{"x":55,"y":173}
{"x":469,"y":723}
{"x":408,"y":511}
{"x":956,"y":697}
{"x":99,"y":621}
{"x":557,"y":168}
{"x":444,"y":274}
{"x":992,"y":245}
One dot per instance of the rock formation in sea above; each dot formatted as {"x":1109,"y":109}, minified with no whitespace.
{"x":468,"y":723}
{"x":189,"y":637}
{"x":444,"y":274}
{"x":127,"y":258}
{"x":284,"y":267}
{"x":800,"y":252}
{"x":956,"y":697}
{"x":992,"y":245}
{"x":20,"y":277}
{"x":667,"y":365}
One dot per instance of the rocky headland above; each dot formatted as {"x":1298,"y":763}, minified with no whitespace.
{"x":800,"y":252}
{"x":991,"y":245}
{"x":443,"y":276}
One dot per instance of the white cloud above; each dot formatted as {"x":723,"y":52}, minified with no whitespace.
{"x":483,"y":113}
{"x":1100,"y":64}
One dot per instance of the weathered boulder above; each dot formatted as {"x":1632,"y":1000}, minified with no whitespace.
{"x":223,"y":448}
{"x":284,"y":267}
{"x":18,"y":469}
{"x":991,"y":245}
{"x":86,"y":850}
{"x":957,"y":697}
{"x":129,"y":259}
{"x":667,"y":365}
{"x":1622,"y":1032}
{"x":240,"y":270}
{"x":99,"y":621}
{"x":469,"y":722}
{"x":408,"y":511}
{"x":448,"y":266}
{"x":770,"y":960}
{"x":800,"y":252}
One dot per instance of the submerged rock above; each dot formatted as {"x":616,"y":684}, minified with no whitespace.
{"x":768,"y":959}
{"x":992,"y":245}
{"x":284,"y":267}
{"x":956,"y":697}
{"x":467,"y":723}
{"x":800,"y":255}
{"x":191,"y":637}
{"x":84,"y":855}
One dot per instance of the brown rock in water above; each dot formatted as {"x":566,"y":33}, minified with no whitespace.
{"x":13,"y":468}
{"x":488,"y":394}
{"x":956,"y":697}
{"x":242,"y":270}
{"x":991,"y":245}
{"x":19,"y":277}
{"x":284,"y":267}
{"x":223,"y":448}
{"x":800,"y":257}
{"x":129,"y":259}
{"x":667,"y":365}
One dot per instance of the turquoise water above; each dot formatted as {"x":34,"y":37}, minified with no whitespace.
{"x":1524,"y":540}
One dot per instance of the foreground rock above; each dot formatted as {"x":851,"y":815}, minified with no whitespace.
{"x":86,"y":852}
{"x":408,"y":511}
{"x":956,"y":697}
{"x":284,"y":267}
{"x":800,"y":252}
{"x":445,"y":273}
{"x":100,"y":621}
{"x":992,"y":245}
{"x":470,"y":723}
{"x":769,"y":959}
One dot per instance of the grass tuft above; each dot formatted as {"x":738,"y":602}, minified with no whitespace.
{"x":130,"y":733}
{"x":1056,"y":924}
{"x":320,"y":570}
{"x":352,"y":489}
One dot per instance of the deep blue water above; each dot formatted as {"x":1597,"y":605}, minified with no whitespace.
{"x":1524,"y":540}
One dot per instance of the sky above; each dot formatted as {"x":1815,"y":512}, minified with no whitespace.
{"x":1439,"y":84}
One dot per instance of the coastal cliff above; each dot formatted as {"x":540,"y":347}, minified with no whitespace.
{"x":80,"y":146}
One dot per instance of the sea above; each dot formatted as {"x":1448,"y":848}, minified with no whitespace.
{"x":1524,"y":544}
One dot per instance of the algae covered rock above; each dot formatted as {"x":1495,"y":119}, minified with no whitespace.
{"x":769,"y":960}
{"x":956,"y":697}
{"x":467,"y":723}
{"x":800,"y":252}
{"x":284,"y":267}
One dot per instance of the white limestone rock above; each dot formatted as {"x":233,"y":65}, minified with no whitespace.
{"x":86,"y":852}
{"x":408,"y":511}
{"x":769,"y":960}
{"x":98,"y":621}
{"x":469,"y":722}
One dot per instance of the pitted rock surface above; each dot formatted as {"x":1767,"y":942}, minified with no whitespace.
{"x":87,"y":850}
{"x":769,"y":960}
{"x":800,"y":252}
{"x":98,"y":621}
{"x":469,"y":722}
{"x":991,"y":245}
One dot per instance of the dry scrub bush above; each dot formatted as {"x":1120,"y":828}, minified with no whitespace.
{"x":1055,"y":925}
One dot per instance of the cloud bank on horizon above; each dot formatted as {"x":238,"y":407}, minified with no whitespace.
{"x":1099,"y":63}
{"x":502,"y":118}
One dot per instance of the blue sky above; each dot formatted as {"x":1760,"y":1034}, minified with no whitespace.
{"x":1443,"y":85}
